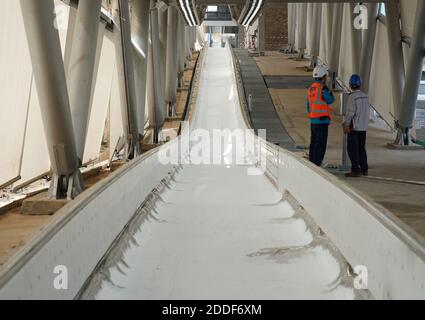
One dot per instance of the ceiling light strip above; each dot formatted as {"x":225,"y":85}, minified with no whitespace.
{"x":182,"y":6}
{"x":250,"y":11}
{"x":189,"y":9}
{"x":260,"y":3}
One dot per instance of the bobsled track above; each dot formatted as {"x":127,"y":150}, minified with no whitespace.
{"x":273,"y":228}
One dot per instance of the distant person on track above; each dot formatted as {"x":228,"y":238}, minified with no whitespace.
{"x":320,"y":99}
{"x":356,"y":125}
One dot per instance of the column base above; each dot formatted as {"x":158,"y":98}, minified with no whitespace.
{"x":66,"y":187}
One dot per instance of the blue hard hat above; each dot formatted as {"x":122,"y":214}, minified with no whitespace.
{"x":355,"y":81}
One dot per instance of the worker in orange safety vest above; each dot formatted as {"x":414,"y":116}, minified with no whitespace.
{"x":320,"y":99}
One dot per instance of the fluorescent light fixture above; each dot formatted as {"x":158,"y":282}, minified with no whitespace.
{"x":251,"y":9}
{"x":259,"y":4}
{"x":252,"y":12}
{"x":191,"y":14}
{"x":186,"y":16}
{"x":188,"y":12}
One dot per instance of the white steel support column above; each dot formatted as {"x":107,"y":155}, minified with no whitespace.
{"x":356,"y":39}
{"x":49,"y":74}
{"x":181,"y":51}
{"x":328,"y":7}
{"x":187,"y":42}
{"x":172,"y":60}
{"x":150,"y":88}
{"x":368,"y":45}
{"x":292,"y":18}
{"x":126,"y":75}
{"x":315,"y":31}
{"x":398,"y":75}
{"x":414,"y":73}
{"x":72,"y":18}
{"x":301,"y":39}
{"x":337,"y":14}
{"x":157,"y":118}
{"x":262,"y":34}
{"x":140,"y":38}
{"x":82,"y":68}
{"x":163,"y":36}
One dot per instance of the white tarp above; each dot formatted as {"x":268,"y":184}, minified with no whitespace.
{"x":324,"y":39}
{"x":101,"y":98}
{"x":380,"y":77}
{"x":35,"y":155}
{"x":15,"y":82}
{"x":346,"y":55}
{"x":116,"y":123}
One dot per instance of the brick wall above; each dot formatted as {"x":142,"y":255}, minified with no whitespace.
{"x":276,"y":20}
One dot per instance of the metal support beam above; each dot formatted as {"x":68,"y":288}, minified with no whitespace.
{"x":301,"y":39}
{"x":328,"y":7}
{"x":172,"y":60}
{"x":337,"y":14}
{"x":82,"y":69}
{"x":140,"y":38}
{"x":163,"y":36}
{"x":368,"y":45}
{"x":414,"y":72}
{"x":356,"y":40}
{"x":262,"y":34}
{"x":150,"y":89}
{"x":188,"y":47}
{"x":315,"y":31}
{"x":345,"y":165}
{"x":181,"y":51}
{"x":72,"y":18}
{"x":49,"y":74}
{"x":398,"y":75}
{"x":157,"y":117}
{"x":128,"y":91}
{"x":292,"y":18}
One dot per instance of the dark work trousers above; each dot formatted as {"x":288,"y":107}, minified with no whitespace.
{"x":319,"y":143}
{"x":356,"y":145}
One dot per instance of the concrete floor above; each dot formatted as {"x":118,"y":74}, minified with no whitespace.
{"x":406,"y":201}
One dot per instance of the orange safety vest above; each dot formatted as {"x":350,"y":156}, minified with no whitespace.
{"x":318,"y":107}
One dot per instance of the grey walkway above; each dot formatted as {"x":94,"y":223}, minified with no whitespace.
{"x":263,"y":115}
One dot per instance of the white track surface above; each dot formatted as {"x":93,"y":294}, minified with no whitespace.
{"x":219,"y":233}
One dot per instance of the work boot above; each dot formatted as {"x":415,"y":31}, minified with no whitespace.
{"x":365,"y":173}
{"x":353,"y":175}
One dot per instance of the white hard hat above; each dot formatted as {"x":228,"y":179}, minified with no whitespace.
{"x":320,"y":72}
